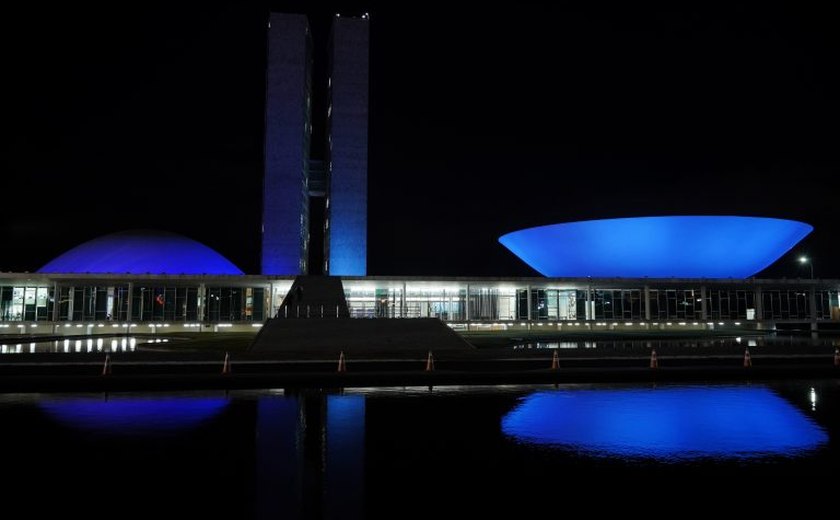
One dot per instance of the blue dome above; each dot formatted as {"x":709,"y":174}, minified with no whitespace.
{"x":142,"y":252}
{"x":657,"y":247}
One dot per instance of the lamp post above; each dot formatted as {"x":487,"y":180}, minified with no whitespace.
{"x":806,"y":260}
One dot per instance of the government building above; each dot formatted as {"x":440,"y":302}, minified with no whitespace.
{"x":651,"y":273}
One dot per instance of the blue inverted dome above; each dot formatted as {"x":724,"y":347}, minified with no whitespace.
{"x":657,"y":247}
{"x":141,"y":252}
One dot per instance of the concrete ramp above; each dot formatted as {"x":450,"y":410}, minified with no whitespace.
{"x":356,"y":335}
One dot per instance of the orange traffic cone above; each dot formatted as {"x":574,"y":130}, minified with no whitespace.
{"x":226,"y":365}
{"x":106,"y":368}
{"x":555,"y":361}
{"x":342,"y":364}
{"x":654,"y":362}
{"x":747,"y":358}
{"x":837,"y":357}
{"x":430,"y":363}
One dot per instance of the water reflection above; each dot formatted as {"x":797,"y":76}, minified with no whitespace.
{"x":310,"y":455}
{"x":670,"y":423}
{"x":385,"y":452}
{"x":278,"y":457}
{"x":345,"y":455}
{"x":709,"y":344}
{"x":133,"y":415}
{"x":67,"y":345}
{"x":556,"y":344}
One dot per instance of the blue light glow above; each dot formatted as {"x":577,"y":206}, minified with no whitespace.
{"x":669,"y":423}
{"x":346,"y":424}
{"x":345,"y":468}
{"x":657,"y":247}
{"x":347,"y":246}
{"x":141,"y":252}
{"x":130,"y":415}
{"x":278,"y":458}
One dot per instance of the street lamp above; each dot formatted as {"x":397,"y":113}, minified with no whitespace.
{"x":806,"y":260}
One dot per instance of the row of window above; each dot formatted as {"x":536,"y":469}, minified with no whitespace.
{"x":162,"y":303}
{"x":99,"y":303}
{"x":615,"y":304}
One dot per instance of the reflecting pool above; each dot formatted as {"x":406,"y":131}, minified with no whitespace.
{"x":406,"y":452}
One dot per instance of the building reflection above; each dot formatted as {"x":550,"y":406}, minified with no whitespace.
{"x":665,"y":423}
{"x":132,"y":415}
{"x":310,"y":450}
{"x":327,"y":454}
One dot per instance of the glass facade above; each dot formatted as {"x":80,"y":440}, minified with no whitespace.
{"x":506,"y":302}
{"x":730,"y":304}
{"x":616,"y":304}
{"x":147,"y":303}
{"x":23,"y":303}
{"x":254,"y":299}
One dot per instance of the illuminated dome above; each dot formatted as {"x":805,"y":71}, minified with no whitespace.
{"x":141,"y":252}
{"x":657,"y":247}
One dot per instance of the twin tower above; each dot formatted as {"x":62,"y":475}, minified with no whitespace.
{"x":291,"y":176}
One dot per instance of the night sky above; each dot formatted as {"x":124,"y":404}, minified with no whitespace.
{"x":482,"y":121}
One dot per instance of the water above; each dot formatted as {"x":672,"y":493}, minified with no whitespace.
{"x":516,"y":451}
{"x":594,"y":347}
{"x":75,"y":344}
{"x":699,"y":345}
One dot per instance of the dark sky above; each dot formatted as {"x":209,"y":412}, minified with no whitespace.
{"x":483,"y":121}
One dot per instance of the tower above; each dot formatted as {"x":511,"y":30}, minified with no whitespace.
{"x":288,"y":128}
{"x":345,"y":234}
{"x":288,"y":162}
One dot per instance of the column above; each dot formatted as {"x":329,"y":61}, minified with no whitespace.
{"x":529,"y":302}
{"x":56,"y":302}
{"x":130,"y":296}
{"x":70,"y":296}
{"x":704,"y":314}
{"x":202,"y":301}
{"x":467,"y":308}
{"x":647,"y":303}
{"x":109,"y":305}
{"x":759,"y":304}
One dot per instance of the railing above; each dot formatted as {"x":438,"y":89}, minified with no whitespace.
{"x":309,"y":311}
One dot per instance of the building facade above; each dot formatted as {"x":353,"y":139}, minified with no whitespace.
{"x":288,"y":129}
{"x":63,"y":303}
{"x":288,"y":150}
{"x":345,"y":226}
